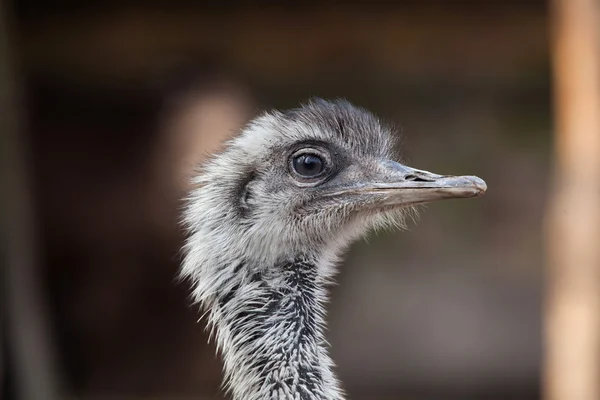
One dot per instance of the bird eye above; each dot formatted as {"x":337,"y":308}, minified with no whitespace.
{"x":308,"y":165}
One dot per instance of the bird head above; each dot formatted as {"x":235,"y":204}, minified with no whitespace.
{"x":308,"y":180}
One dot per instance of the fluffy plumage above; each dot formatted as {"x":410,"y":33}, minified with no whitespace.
{"x":264,"y":239}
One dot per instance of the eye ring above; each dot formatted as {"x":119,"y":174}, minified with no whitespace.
{"x":309,"y":165}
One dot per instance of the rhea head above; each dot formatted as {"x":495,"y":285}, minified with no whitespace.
{"x":309,"y":180}
{"x":268,"y":219}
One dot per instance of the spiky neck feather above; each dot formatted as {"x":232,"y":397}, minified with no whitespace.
{"x":269,"y":323}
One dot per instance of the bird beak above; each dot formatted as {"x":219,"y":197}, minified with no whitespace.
{"x":399,"y":185}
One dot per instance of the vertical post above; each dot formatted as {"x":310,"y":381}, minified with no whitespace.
{"x":29,"y":341}
{"x":572,"y":323}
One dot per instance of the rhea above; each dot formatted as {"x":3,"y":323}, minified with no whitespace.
{"x":267,"y":222}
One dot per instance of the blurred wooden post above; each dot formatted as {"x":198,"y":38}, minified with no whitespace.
{"x":572,"y":364}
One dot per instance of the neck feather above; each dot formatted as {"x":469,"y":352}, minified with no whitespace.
{"x":269,"y":328}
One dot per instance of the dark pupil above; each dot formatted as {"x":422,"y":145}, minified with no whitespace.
{"x":308,"y":165}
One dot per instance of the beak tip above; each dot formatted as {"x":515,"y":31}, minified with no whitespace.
{"x":479,"y":185}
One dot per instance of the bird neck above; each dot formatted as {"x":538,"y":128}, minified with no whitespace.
{"x":269,"y":327}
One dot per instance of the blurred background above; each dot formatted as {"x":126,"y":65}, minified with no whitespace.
{"x":117,"y":100}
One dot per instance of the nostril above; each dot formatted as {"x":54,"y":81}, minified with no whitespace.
{"x":415,"y":178}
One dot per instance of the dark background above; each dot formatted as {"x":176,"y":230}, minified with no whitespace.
{"x":120,"y":97}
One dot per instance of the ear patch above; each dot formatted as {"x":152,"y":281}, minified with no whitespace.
{"x":246,"y":195}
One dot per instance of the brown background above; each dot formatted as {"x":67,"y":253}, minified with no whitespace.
{"x":120,"y":96}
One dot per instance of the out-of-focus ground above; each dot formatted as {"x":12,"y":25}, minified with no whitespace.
{"x":122,"y":98}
